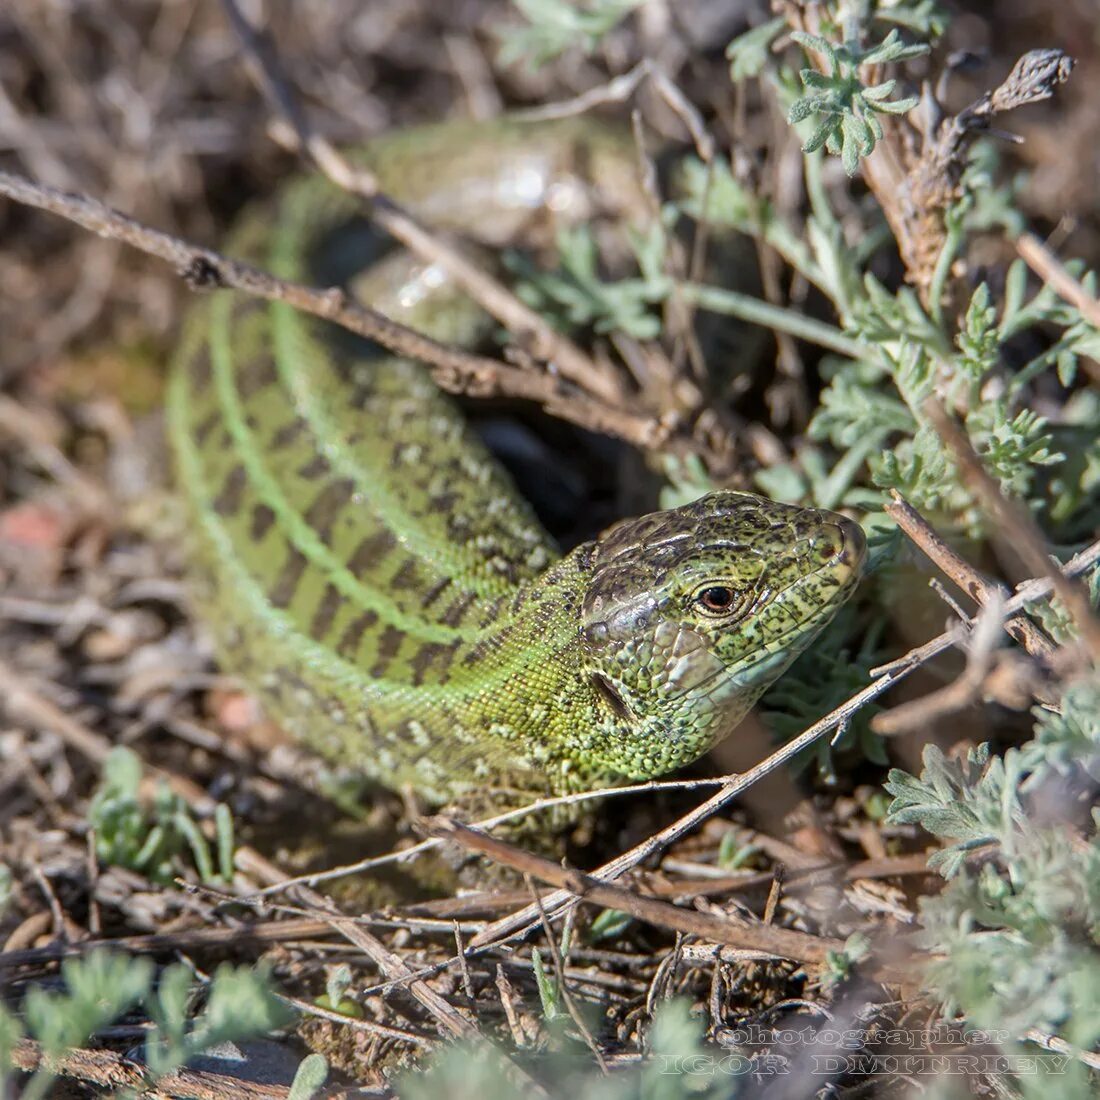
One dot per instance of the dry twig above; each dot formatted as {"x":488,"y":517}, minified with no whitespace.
{"x":1053,"y":272}
{"x":537,"y":336}
{"x":968,"y":579}
{"x":770,"y":942}
{"x":114,"y":1073}
{"x":453,"y":369}
{"x":1016,"y":525}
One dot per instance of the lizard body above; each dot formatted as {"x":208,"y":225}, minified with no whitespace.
{"x":368,"y":568}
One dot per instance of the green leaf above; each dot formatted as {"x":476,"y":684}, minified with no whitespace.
{"x":549,"y":993}
{"x":311,"y":1075}
{"x":748,"y":53}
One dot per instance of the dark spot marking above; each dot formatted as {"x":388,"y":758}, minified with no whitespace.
{"x":443,"y":503}
{"x":407,"y":576}
{"x":492,"y":611}
{"x":228,"y":501}
{"x":372,"y":550}
{"x":288,"y":433}
{"x":388,"y":645}
{"x":254,"y":375}
{"x":325,"y":613}
{"x":433,"y":653}
{"x":202,"y":430}
{"x":328,"y":504}
{"x":203,"y":273}
{"x":262,"y":519}
{"x":286,"y":585}
{"x":454,"y":614}
{"x":316,"y":467}
{"x":435,"y":592}
{"x":201,"y":368}
{"x":348,"y":645}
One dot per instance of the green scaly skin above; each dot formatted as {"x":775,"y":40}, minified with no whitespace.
{"x":369,"y":570}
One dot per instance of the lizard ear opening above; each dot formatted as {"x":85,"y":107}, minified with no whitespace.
{"x":605,"y":688}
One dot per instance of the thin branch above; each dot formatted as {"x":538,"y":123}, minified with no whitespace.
{"x":781,"y":943}
{"x":1053,"y":272}
{"x":114,"y":1073}
{"x":621,"y":88}
{"x":968,"y":579}
{"x":1016,"y":525}
{"x":920,"y":713}
{"x":537,"y":336}
{"x":1060,"y":1046}
{"x":450,"y":1021}
{"x":453,"y":369}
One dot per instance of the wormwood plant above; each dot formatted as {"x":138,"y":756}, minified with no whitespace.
{"x":101,"y":988}
{"x":1015,"y":930}
{"x":153,"y":839}
{"x":678,"y":1064}
{"x":551,"y":27}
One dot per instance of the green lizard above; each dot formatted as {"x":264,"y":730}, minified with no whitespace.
{"x":369,"y":569}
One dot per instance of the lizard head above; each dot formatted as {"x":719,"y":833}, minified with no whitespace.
{"x":691,"y":613}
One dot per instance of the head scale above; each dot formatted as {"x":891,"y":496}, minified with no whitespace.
{"x":689,"y":615}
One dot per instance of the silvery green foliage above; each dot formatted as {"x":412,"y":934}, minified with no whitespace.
{"x":1068,"y":739}
{"x":153,"y":840}
{"x":100,"y":988}
{"x":554,"y":26}
{"x":675,"y":1066}
{"x":240,"y":1004}
{"x":577,"y":294}
{"x":1015,"y":932}
{"x":972,"y":802}
{"x":848,"y":125}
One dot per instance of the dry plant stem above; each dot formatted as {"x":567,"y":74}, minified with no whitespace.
{"x":620,"y":89}
{"x":19,"y":699}
{"x":559,"y":975}
{"x":916,"y":177}
{"x":449,"y":1019}
{"x":536,"y":336}
{"x":453,"y":369}
{"x":919,"y":714}
{"x":113,"y":1073}
{"x":774,"y":942}
{"x":398,"y":1034}
{"x":166,"y":943}
{"x":1060,"y":1046}
{"x":1051,"y":270}
{"x":968,"y":579}
{"x":1016,"y":525}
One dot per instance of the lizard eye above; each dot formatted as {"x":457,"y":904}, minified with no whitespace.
{"x":718,"y":599}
